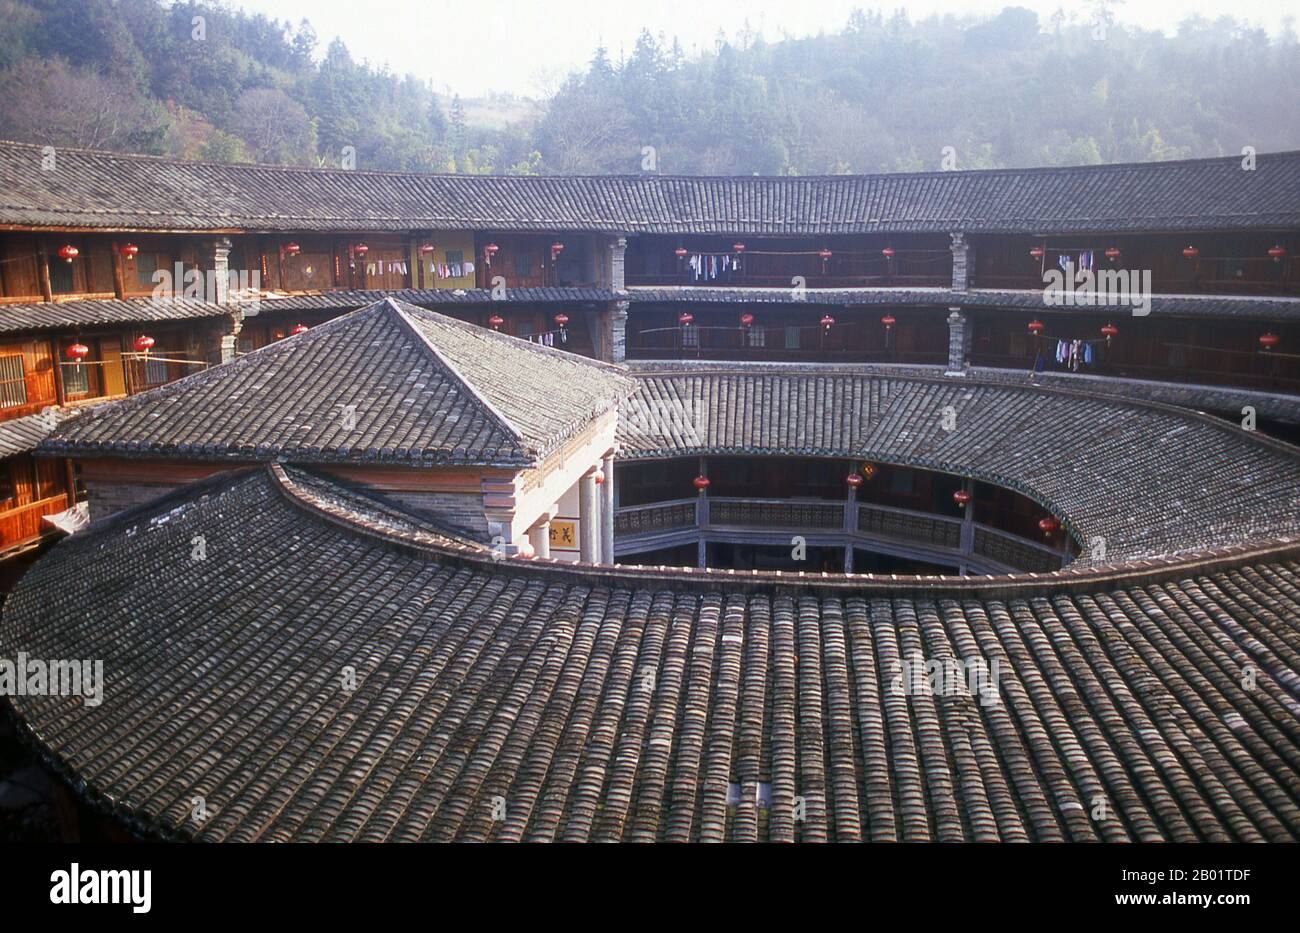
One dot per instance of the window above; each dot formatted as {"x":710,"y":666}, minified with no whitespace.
{"x":155,"y":371}
{"x":690,"y":336}
{"x":13,"y":381}
{"x":792,"y":338}
{"x":757,"y":336}
{"x":61,"y":279}
{"x":76,"y":379}
{"x":523,"y":264}
{"x":146,"y":264}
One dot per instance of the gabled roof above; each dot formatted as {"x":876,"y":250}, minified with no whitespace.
{"x":389,"y":383}
{"x":91,"y":312}
{"x":629,"y":704}
{"x":114,"y":191}
{"x":20,"y":435}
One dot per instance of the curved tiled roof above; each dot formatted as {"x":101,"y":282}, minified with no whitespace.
{"x":59,"y":315}
{"x":114,"y":191}
{"x":422,"y":388}
{"x":517,"y":700}
{"x":1149,"y":480}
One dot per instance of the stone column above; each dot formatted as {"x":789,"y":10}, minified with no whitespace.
{"x":617,"y":256}
{"x":967,"y":541}
{"x":588,"y":519}
{"x":214,"y":260}
{"x":539,"y":536}
{"x":607,"y":510}
{"x":850,"y":519}
{"x":963,"y":261}
{"x":618,"y":332}
{"x":959,"y":341}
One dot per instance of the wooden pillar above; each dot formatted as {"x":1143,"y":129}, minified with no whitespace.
{"x":967,"y":540}
{"x":119,"y":274}
{"x":850,"y":518}
{"x":702,"y":516}
{"x":43,"y":269}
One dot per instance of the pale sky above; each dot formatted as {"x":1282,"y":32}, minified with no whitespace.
{"x":525,"y":46}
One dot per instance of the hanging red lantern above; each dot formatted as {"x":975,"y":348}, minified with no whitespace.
{"x":700,"y":482}
{"x":360,"y":249}
{"x":825,"y":254}
{"x":738,"y":247}
{"x":562,"y":319}
{"x":1276,"y":253}
{"x":426,"y":248}
{"x":961,"y":497}
{"x":826,"y":322}
{"x":1048,"y":525}
{"x":299,"y":329}
{"x":144,"y":343}
{"x":598,"y":477}
{"x":685,"y":318}
{"x":887,"y":252}
{"x":292,"y":249}
{"x":556,"y":248}
{"x":68,"y":253}
{"x":1037,"y":252}
{"x":1035,"y":327}
{"x":1191,"y":252}
{"x":746,"y":319}
{"x":78,"y":351}
{"x":129,"y":250}
{"x":1112,"y":253}
{"x":680,"y":252}
{"x":854,"y":480}
{"x":1108,"y":331}
{"x":889,"y":321}
{"x":488,"y":252}
{"x":1268,"y":340}
{"x":495,"y":321}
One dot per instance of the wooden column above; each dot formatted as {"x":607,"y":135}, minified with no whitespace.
{"x":43,"y":269}
{"x":119,"y":274}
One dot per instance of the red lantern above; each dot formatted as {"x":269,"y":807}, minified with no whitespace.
{"x":144,"y":343}
{"x":700,"y":482}
{"x":889,"y":321}
{"x":827,"y":321}
{"x":598,"y":477}
{"x":738,"y":247}
{"x":426,"y":248}
{"x":1035,"y":327}
{"x":1112,"y":253}
{"x":68,"y":253}
{"x":685,"y":318}
{"x":299,"y":329}
{"x":680,"y":252}
{"x":825,"y":254}
{"x":495,"y":321}
{"x":488,"y":252}
{"x":129,"y":250}
{"x":887,"y":252}
{"x":292,"y":249}
{"x":1191,"y":252}
{"x":746,"y":319}
{"x":1036,"y":252}
{"x":1048,"y":525}
{"x":556,"y":248}
{"x":78,"y":351}
{"x":1268,"y":340}
{"x":1276,"y":253}
{"x":853,"y":480}
{"x":961,"y":497}
{"x":562,"y":319}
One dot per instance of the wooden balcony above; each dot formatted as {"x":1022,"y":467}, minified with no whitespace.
{"x":22,"y":525}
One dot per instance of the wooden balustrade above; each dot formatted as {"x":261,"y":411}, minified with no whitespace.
{"x":22,"y":524}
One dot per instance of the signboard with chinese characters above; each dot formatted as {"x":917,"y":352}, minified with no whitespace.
{"x":564,"y":535}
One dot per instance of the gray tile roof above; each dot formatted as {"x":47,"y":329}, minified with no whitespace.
{"x":520,"y":700}
{"x":1150,"y":480}
{"x":436,"y":298}
{"x":64,"y":315}
{"x":21,"y":435}
{"x":107,"y":190}
{"x":390,"y":383}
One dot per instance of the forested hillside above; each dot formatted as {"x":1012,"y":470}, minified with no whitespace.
{"x":883,"y":94}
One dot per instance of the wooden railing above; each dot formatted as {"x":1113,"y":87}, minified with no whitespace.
{"x":656,"y":516}
{"x":22,"y":524}
{"x":908,"y":525}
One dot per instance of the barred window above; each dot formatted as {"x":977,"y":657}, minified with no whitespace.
{"x":690,"y":336}
{"x":155,"y":371}
{"x":76,"y":378}
{"x":13,"y":381}
{"x":757,"y":336}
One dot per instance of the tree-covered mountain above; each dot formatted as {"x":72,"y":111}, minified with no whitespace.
{"x":193,"y":80}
